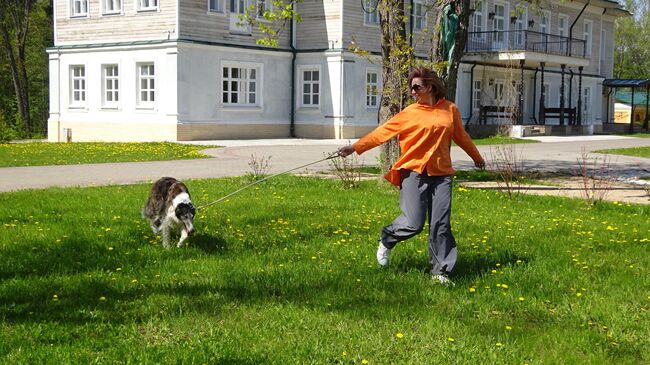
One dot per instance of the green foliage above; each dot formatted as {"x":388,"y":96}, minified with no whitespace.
{"x":632,"y":151}
{"x":632,"y":51}
{"x":285,"y":274}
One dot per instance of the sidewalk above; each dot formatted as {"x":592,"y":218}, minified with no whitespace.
{"x":553,"y":154}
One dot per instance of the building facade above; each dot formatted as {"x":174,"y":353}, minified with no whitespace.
{"x":163,"y":70}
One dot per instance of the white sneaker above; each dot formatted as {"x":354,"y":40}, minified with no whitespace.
{"x":442,"y":279}
{"x":383,"y":255}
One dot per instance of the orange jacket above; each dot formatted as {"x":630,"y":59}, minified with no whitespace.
{"x":425,"y":134}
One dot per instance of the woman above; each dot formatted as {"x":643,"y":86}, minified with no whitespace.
{"x":423,"y":172}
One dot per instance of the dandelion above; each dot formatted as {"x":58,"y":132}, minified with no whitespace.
{"x":364,"y":361}
{"x":399,"y":335}
{"x":102,"y":299}
{"x":472,"y":290}
{"x":508,"y":328}
{"x":450,"y":339}
{"x":55,"y":298}
{"x":521,"y":299}
{"x":578,"y":295}
{"x":499,"y":344}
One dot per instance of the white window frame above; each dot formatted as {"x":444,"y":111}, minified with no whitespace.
{"x":117,"y":7}
{"x":261,"y":6}
{"x":521,"y":25}
{"x":112,"y":92}
{"x":140,"y":5}
{"x":478,"y":21}
{"x":243,"y":82}
{"x":547,"y":93}
{"x":420,"y":17}
{"x":499,"y":37}
{"x":477,"y":90}
{"x":370,"y":18}
{"x":149,"y":90}
{"x":545,"y":22}
{"x":587,"y":95}
{"x":587,"y":35}
{"x":563,"y":30}
{"x":78,"y":100}
{"x":603,"y":37}
{"x":303,"y":82}
{"x":373,"y":94}
{"x":499,"y":90}
{"x":83,"y":10}
{"x":219,"y":9}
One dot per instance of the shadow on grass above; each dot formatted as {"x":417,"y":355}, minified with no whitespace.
{"x":208,"y":243}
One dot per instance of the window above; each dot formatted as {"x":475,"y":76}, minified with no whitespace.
{"x":263,"y":6}
{"x":476,"y":93}
{"x":146,"y":85}
{"x":147,"y":4}
{"x":562,"y":31}
{"x":310,"y":87}
{"x":544,"y":21}
{"x":499,"y":86}
{"x":78,"y":86}
{"x":547,"y":93}
{"x":372,"y":89}
{"x":419,"y":16}
{"x":603,"y":37}
{"x":237,"y":9}
{"x":240,"y":85}
{"x":520,"y":28}
{"x":499,"y":26}
{"x":586,"y":105}
{"x":112,"y":6}
{"x":215,"y":6}
{"x":477,"y":21}
{"x":110,"y":86}
{"x":370,"y":13}
{"x":586,"y":35}
{"x":79,"y":8}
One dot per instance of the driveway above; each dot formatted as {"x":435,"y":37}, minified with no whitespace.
{"x":553,"y":154}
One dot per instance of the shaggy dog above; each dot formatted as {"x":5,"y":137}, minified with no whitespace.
{"x":169,"y":209}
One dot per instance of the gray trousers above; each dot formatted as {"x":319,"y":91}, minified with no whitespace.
{"x":419,"y":195}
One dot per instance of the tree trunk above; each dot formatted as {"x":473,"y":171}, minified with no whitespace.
{"x":396,"y":59}
{"x":14,"y":26}
{"x":436,"y":54}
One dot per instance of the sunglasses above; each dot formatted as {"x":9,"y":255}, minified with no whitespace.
{"x":416,"y":87}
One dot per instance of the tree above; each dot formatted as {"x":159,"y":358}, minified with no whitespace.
{"x":14,"y":28}
{"x":631,"y":34}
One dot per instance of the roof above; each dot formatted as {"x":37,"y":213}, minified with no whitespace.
{"x":626,"y":82}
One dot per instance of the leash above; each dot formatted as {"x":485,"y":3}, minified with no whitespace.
{"x":329,"y":157}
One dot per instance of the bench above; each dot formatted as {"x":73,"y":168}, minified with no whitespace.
{"x":554,"y":113}
{"x":501,"y":112}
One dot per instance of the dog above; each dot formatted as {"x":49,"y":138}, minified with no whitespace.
{"x":170,"y":210}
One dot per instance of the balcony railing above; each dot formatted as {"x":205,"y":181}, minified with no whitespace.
{"x":524,"y":40}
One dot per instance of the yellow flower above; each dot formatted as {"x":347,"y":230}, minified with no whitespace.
{"x":508,"y":328}
{"x":364,"y":361}
{"x":399,"y":335}
{"x":472,"y":290}
{"x":450,"y":339}
{"x":102,"y":299}
{"x":499,"y":344}
{"x":521,"y":299}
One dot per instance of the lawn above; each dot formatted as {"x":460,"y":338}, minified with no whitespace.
{"x":632,"y":151}
{"x":285,"y":273}
{"x":40,"y":154}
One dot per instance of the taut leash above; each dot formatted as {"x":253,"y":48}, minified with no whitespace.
{"x":331,"y":156}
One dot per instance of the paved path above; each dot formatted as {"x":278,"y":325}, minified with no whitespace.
{"x":553,"y":154}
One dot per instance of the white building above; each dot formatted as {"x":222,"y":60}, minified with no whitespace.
{"x":153,"y":70}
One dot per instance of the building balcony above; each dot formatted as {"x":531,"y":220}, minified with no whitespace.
{"x":499,"y":47}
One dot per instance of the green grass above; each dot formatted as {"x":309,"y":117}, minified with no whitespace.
{"x":640,"y":135}
{"x":632,"y":151}
{"x":40,"y":154}
{"x":500,"y":140}
{"x":285,"y":273}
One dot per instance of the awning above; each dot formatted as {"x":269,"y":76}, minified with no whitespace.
{"x":626,"y":82}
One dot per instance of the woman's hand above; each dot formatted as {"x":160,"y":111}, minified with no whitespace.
{"x":345,"y":151}
{"x":480,"y":163}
